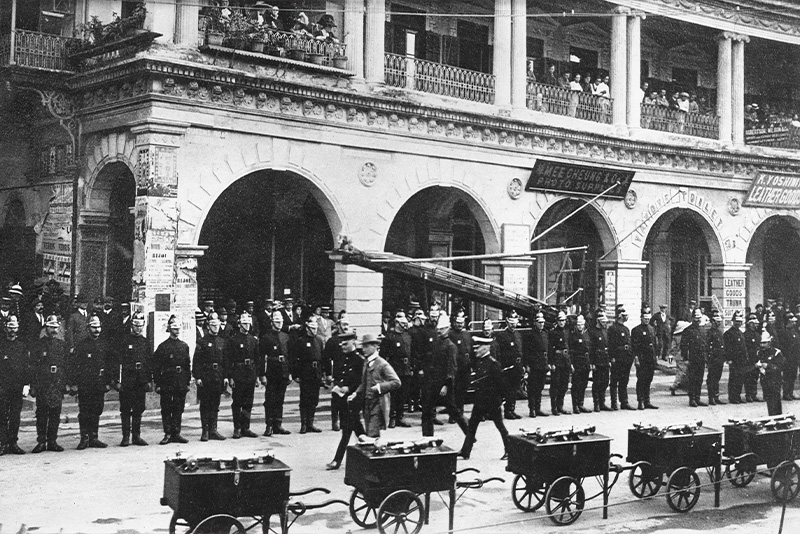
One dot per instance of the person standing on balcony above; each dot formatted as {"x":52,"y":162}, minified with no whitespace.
{"x":530,"y":71}
{"x":324,"y":29}
{"x":662,"y":100}
{"x":694,"y":107}
{"x":587,"y":83}
{"x":272,"y":20}
{"x":301,"y":27}
{"x":602,"y":90}
{"x":564,"y":82}
{"x":643,"y":91}
{"x":576,"y":89}
{"x":551,"y":78}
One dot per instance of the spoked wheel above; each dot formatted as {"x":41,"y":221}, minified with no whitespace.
{"x":741,"y":473}
{"x":401,"y":512}
{"x":564,"y":501}
{"x":528,"y":493}
{"x":683,"y":489}
{"x":785,"y":482}
{"x":645,"y":480}
{"x":178,"y":525}
{"x":361,"y":511}
{"x":219,"y":524}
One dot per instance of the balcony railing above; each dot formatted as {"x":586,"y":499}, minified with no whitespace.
{"x":670,"y":120}
{"x":438,"y":78}
{"x":35,"y":50}
{"x":559,"y":101}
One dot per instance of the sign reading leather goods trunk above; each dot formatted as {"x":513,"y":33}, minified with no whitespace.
{"x":774,"y":190}
{"x":578,"y":179}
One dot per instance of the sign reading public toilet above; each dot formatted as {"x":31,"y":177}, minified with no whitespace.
{"x":578,"y":179}
{"x":774,"y":190}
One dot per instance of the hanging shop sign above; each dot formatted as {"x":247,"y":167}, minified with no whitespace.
{"x":559,"y":177}
{"x":774,"y":190}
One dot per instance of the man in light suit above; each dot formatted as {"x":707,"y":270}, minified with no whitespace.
{"x":378,"y":380}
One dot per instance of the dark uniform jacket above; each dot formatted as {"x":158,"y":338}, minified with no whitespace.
{"x":735,"y":348}
{"x":643,"y":344}
{"x":422,"y":339}
{"x":598,"y":349}
{"x":350,"y":371}
{"x":716,"y":346}
{"x":209,"y":362}
{"x":694,"y":347}
{"x":774,"y":359}
{"x":306,"y":357}
{"x":14,"y":365}
{"x":536,"y":350}
{"x":90,"y":365}
{"x":332,"y":356}
{"x":441,"y":366}
{"x":241,"y":355}
{"x":790,"y":344}
{"x":396,"y":349}
{"x":579,"y":343}
{"x":558,"y":349}
{"x":273,"y":361}
{"x":462,"y":339}
{"x":48,"y":370}
{"x":509,"y":348}
{"x":752,"y":340}
{"x":619,"y":342}
{"x":171,"y":366}
{"x":132,"y":369}
{"x":113,"y":329}
{"x":489,"y":383}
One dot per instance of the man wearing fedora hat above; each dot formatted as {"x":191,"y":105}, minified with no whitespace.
{"x":133,"y":379}
{"x":172,"y":374}
{"x":89,"y":376}
{"x":48,"y":385}
{"x":377,"y":382}
{"x":77,"y":329}
{"x":14,"y":362}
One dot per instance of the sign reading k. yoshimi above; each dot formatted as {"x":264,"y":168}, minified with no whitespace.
{"x":774,"y":190}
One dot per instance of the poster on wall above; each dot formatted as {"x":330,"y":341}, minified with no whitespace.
{"x":185,"y":297}
{"x":610,"y":291}
{"x":56,"y":236}
{"x":154,"y":242}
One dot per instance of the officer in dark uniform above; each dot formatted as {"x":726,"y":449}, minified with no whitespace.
{"x":716,"y":358}
{"x":752,"y":340}
{"x":333,"y":357}
{"x":423,"y":334}
{"x":645,"y":354}
{"x":489,"y":388}
{"x":736,"y":356}
{"x":240,"y":361}
{"x":579,"y":341}
{"x":14,"y":375}
{"x":599,"y":361}
{"x":133,"y":379}
{"x":537,"y":362}
{"x":438,"y":375}
{"x":790,"y":347}
{"x":462,"y":339}
{"x":90,"y":376}
{"x":509,"y":354}
{"x":558,"y":354}
{"x":396,"y":349}
{"x":306,"y":367}
{"x":770,"y":365}
{"x":209,"y":375}
{"x":619,"y":349}
{"x":273,"y":365}
{"x":345,"y":382}
{"x":48,"y":385}
{"x":172,"y":374}
{"x":694,"y":349}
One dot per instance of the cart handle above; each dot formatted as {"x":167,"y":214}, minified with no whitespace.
{"x":478,"y":483}
{"x":468,"y":470}
{"x":730,"y":460}
{"x":614,"y":466}
{"x":299,"y":508}
{"x":309,"y":490}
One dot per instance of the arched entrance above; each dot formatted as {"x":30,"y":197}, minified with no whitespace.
{"x":680,"y":249}
{"x":437,"y":221}
{"x":18,"y":246}
{"x":774,"y":255}
{"x":556,"y":278}
{"x":265,"y":233}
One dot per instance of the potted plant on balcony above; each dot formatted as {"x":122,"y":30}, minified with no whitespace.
{"x":339,"y":59}
{"x":258,"y":39}
{"x":238,"y":31}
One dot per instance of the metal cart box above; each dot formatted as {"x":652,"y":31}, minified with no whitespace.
{"x":772,"y":446}
{"x":431,"y":469}
{"x":667,"y":452}
{"x":582,"y":457}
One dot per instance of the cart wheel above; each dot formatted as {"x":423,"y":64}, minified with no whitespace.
{"x":528,"y":493}
{"x":564,"y":501}
{"x":683,"y":489}
{"x":219,"y":524}
{"x":741,"y":473}
{"x":178,"y":525}
{"x":362,"y":512}
{"x":785,"y":482}
{"x":402,"y":511}
{"x":644,"y":480}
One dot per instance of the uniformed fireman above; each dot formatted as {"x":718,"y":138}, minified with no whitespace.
{"x":172,"y":374}
{"x":273,"y":368}
{"x":306,"y":367}
{"x":537,"y":361}
{"x":240,"y":361}
{"x":619,"y":350}
{"x":423,"y":334}
{"x":579,"y":342}
{"x":332,"y":361}
{"x":509,"y":354}
{"x":208,"y":370}
{"x":694,"y":349}
{"x":345,"y":382}
{"x":462,"y":339}
{"x":90,"y":377}
{"x":752,"y":341}
{"x":558,"y":355}
{"x":599,"y":361}
{"x":14,"y":376}
{"x":790,"y":347}
{"x":133,"y":378}
{"x":645,"y":354}
{"x":716,"y":358}
{"x":48,"y":385}
{"x":770,"y":365}
{"x":736,"y":355}
{"x":396,"y":349}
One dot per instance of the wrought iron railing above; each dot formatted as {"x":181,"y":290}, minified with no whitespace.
{"x":671,"y":120}
{"x":559,"y":101}
{"x":36,"y":50}
{"x":438,"y":78}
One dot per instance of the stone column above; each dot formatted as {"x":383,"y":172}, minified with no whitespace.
{"x":619,"y":66}
{"x":724,"y":86}
{"x":185,"y":297}
{"x":374,"y":42}
{"x":627,"y":282}
{"x":187,"y":13}
{"x":729,"y":286}
{"x":634,"y":70}
{"x":360,"y":292}
{"x":519,"y":53}
{"x":161,"y":18}
{"x":354,"y":36}
{"x":737,"y":115}
{"x":502,"y":53}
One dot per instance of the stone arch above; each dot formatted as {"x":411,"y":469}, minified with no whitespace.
{"x":710,"y":231}
{"x":9,"y":203}
{"x":757,"y":251}
{"x":100,"y":153}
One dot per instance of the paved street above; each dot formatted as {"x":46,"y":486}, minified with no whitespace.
{"x":117,"y":490}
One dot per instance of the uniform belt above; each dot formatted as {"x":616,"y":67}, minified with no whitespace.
{"x":248,"y":361}
{"x":53,"y":369}
{"x":138,"y":365}
{"x":178,"y":369}
{"x":281,"y":358}
{"x":626,"y":347}
{"x":215,"y":366}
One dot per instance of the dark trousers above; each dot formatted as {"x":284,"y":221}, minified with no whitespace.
{"x":536,"y":380}
{"x":399,"y":398}
{"x":481,"y":410}
{"x":600,"y":380}
{"x":414,"y":392}
{"x":580,"y":379}
{"x":559,"y":383}
{"x":430,"y":396}
{"x":513,"y":379}
{"x":242,"y":404}
{"x":338,"y":407}
{"x":209,"y":403}
{"x":751,"y":382}
{"x":460,"y":388}
{"x":736,"y":380}
{"x":620,"y":375}
{"x":350,"y":422}
{"x":90,"y":408}
{"x":274,"y":394}
{"x":172,"y":410}
{"x":789,"y":375}
{"x":48,"y":416}
{"x":644,"y":378}
{"x":309,"y":399}
{"x":713,"y":377}
{"x":772,"y":394}
{"x":132,"y":402}
{"x":10,"y":409}
{"x":695,"y":376}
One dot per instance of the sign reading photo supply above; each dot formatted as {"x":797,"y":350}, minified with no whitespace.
{"x":774,"y":190}
{"x":578,"y":179}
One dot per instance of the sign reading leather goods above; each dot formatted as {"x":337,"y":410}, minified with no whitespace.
{"x":774,"y":190}
{"x":578,"y":179}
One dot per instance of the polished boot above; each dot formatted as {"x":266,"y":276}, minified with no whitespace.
{"x":538,"y":408}
{"x":277,"y":429}
{"x":712,"y":401}
{"x":13,"y":448}
{"x":335,"y":421}
{"x":126,"y":430}
{"x":213,"y":433}
{"x":267,"y":431}
{"x":650,"y":406}
{"x":237,"y":421}
{"x":40,"y":447}
{"x":83,"y":443}
{"x":699,"y":402}
{"x":246,"y":432}
{"x":392,"y":423}
{"x":303,"y":421}
{"x":561,"y":408}
{"x":311,"y":427}
{"x":641,"y":405}
{"x":614,"y":405}
{"x":554,"y":408}
{"x":95,"y":443}
{"x":136,"y":431}
{"x":165,"y":439}
{"x":204,"y":427}
{"x":53,"y":446}
{"x":692,"y":402}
